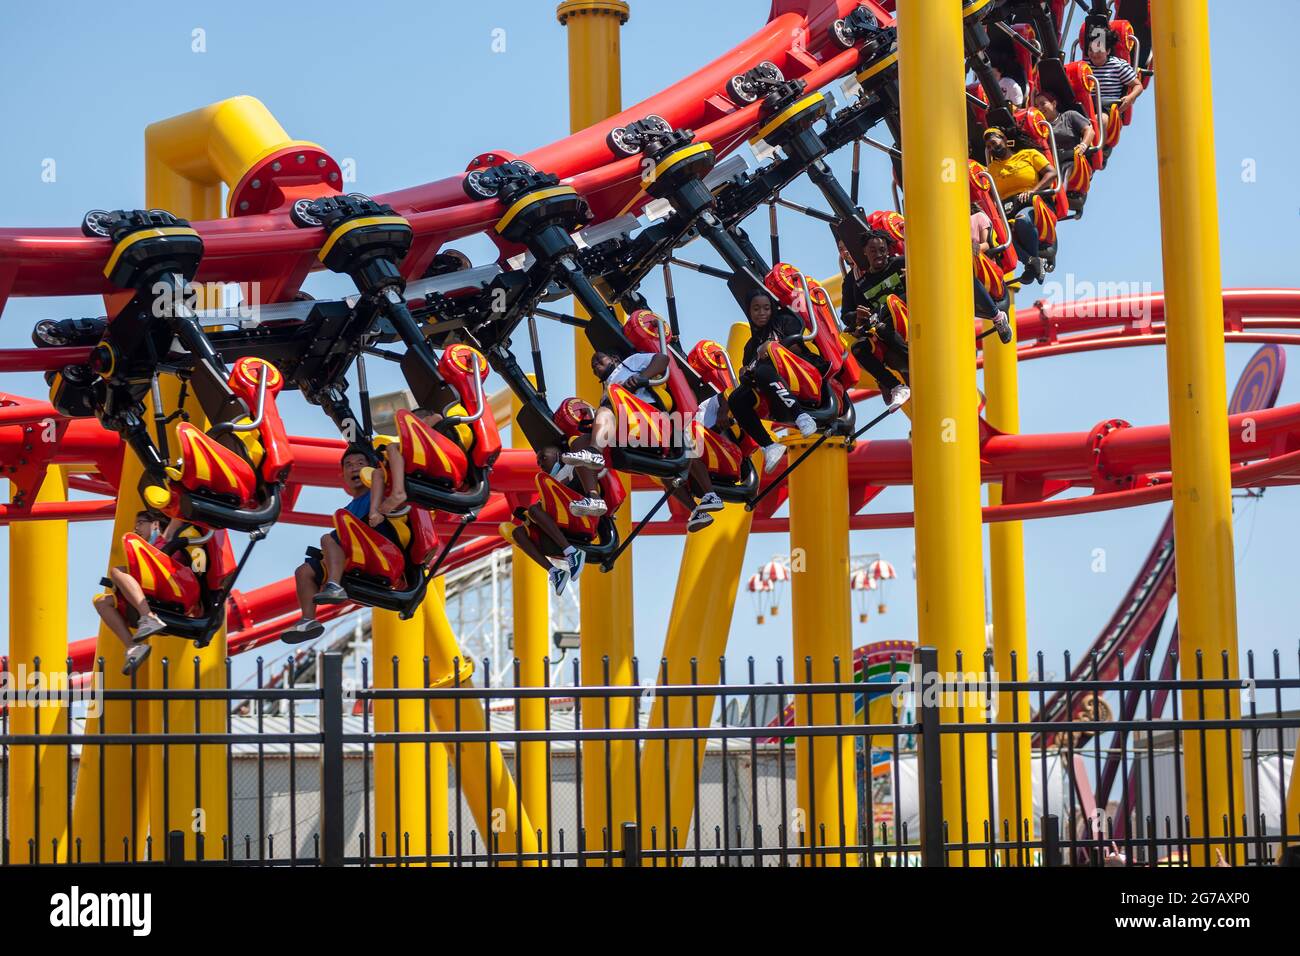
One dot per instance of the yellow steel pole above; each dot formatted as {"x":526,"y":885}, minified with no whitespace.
{"x":187,"y":159}
{"x":945,"y":445}
{"x":698,"y":627}
{"x":38,"y":645}
{"x":531,"y":613}
{"x":1291,"y":809}
{"x":1198,"y":423}
{"x":1010,"y":631}
{"x":826,"y":812}
{"x":485,"y":781}
{"x":411,"y":778}
{"x":595,"y":93}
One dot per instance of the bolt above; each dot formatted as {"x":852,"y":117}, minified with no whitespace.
{"x":276,"y":166}
{"x":321,"y":162}
{"x":244,"y":204}
{"x":334,"y":177}
{"x":257,"y":184}
{"x":302,"y":158}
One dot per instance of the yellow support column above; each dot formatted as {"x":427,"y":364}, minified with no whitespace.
{"x":485,"y":780}
{"x":531,"y":621}
{"x":187,"y":160}
{"x":38,"y":632}
{"x":410,"y":779}
{"x":113,"y":782}
{"x":1198,"y":422}
{"x":826,"y":811}
{"x":595,"y":93}
{"x":707,"y":583}
{"x":180,"y":178}
{"x":945,"y":441}
{"x":1007,"y":575}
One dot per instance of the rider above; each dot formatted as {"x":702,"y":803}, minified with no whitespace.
{"x":146,"y":526}
{"x":634,"y":373}
{"x":1019,"y":176}
{"x":1070,"y":129}
{"x":381,"y":505}
{"x":864,"y":310}
{"x":317,"y":579}
{"x":551,"y":542}
{"x":768,"y":324}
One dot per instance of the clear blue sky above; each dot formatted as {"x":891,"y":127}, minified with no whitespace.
{"x":412,"y":91}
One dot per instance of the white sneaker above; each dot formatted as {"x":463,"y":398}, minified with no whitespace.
{"x":773,"y":455}
{"x":899,"y":396}
{"x":559,"y":580}
{"x":698,"y":520}
{"x":584,"y":458}
{"x":588,"y":507}
{"x":577,"y":559}
{"x":136,"y":656}
{"x":805,"y":424}
{"x":710,"y":502}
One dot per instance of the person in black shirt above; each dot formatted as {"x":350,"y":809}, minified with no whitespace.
{"x":758,"y":376}
{"x":881,"y":349}
{"x":865,"y":313}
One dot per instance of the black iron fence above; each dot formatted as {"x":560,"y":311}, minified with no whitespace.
{"x":954,"y":768}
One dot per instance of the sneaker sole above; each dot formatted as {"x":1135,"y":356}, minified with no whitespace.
{"x":713,"y":506}
{"x":303,"y":636}
{"x":143,"y":633}
{"x":130,"y":668}
{"x":330,"y":599}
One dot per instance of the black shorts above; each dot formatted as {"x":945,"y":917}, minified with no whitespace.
{"x":313,"y":560}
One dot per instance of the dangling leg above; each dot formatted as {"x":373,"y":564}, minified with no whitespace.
{"x":133,"y":594}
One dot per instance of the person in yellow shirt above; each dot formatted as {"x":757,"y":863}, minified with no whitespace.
{"x":1019,"y":175}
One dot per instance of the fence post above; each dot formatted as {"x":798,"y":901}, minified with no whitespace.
{"x":1051,"y":840}
{"x":175,"y":847}
{"x":930,"y":759}
{"x":631,"y":845}
{"x":330,"y":668}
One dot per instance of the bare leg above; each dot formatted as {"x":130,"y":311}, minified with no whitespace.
{"x":682,"y":494}
{"x":548,"y":526}
{"x":605,"y":429}
{"x":112,"y":618}
{"x":530,"y":548}
{"x":304,"y":580}
{"x":334,"y":559}
{"x":547,"y":458}
{"x":130,"y":590}
{"x":700,"y":480}
{"x":397,"y":471}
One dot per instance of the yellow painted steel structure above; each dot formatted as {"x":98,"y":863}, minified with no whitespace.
{"x":945,"y":439}
{"x":698,"y":626}
{"x":410,"y":779}
{"x":596,"y":93}
{"x":188,"y":158}
{"x":826,"y":811}
{"x":483,"y":778}
{"x":38,"y":646}
{"x":530,"y":600}
{"x":1198,"y":419}
{"x":1010,"y":630}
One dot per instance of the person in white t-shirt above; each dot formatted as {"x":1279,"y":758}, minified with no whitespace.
{"x":1011,"y":90}
{"x":635,"y":374}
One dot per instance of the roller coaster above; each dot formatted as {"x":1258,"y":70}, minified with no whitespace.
{"x":169,"y":403}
